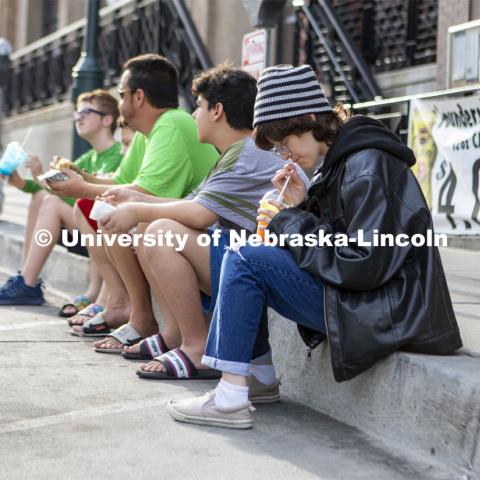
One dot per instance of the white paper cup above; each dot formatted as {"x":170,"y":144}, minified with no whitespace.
{"x":100,"y":209}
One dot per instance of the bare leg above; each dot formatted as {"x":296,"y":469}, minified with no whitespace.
{"x":171,"y":333}
{"x":95,"y":283}
{"x":113,"y":294}
{"x":141,"y":316}
{"x":93,"y":289}
{"x":180,"y":275}
{"x":53,"y":213}
{"x":235,"y":379}
{"x":33,"y":208}
{"x":102,"y":297}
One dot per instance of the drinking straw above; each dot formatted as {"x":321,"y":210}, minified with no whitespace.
{"x":282,"y":191}
{"x":29,"y":131}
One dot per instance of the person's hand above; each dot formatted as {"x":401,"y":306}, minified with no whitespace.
{"x":296,"y":190}
{"x":15,"y":179}
{"x":73,"y":187}
{"x":121,"y":220}
{"x":265,"y":215}
{"x":35,"y":166}
{"x":117,"y":195}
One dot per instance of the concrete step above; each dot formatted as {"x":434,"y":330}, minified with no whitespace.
{"x":64,"y":273}
{"x":15,"y":206}
{"x":424,"y":406}
{"x":60,"y":401}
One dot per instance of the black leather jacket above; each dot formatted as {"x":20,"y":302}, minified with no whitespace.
{"x":377,"y":299}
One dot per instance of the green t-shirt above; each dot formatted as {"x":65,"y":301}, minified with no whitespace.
{"x":100,"y":162}
{"x":131,"y":164}
{"x":92,"y":162}
{"x":174,"y":162}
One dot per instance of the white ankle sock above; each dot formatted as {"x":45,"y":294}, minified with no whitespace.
{"x":228,"y":395}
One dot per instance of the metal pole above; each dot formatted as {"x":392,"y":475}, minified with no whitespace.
{"x":87,"y":74}
{"x":1,"y":119}
{"x":2,"y":195}
{"x":268,"y":50}
{"x":5,"y":51}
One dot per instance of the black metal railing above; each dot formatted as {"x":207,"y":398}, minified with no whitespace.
{"x":385,"y":35}
{"x":334,"y":54}
{"x":40,"y":74}
{"x":394,"y":112}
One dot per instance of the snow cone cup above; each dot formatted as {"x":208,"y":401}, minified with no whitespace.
{"x":13,"y":156}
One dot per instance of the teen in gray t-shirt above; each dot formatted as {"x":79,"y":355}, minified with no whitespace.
{"x":236,"y":184}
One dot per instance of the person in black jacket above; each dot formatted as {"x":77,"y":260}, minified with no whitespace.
{"x":369,"y":301}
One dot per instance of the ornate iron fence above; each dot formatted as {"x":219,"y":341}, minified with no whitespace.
{"x":40,"y":74}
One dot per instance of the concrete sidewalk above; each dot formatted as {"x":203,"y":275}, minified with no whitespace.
{"x":67,"y":412}
{"x":422,"y":406}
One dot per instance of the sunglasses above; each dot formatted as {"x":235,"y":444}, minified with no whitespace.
{"x":79,"y":114}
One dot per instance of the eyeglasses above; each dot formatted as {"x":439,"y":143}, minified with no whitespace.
{"x":79,"y":114}
{"x":282,"y":151}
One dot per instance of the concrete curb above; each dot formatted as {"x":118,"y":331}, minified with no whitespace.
{"x":423,"y":405}
{"x":465,"y":242}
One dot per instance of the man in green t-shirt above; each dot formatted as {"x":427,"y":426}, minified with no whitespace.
{"x":95,"y":121}
{"x":229,"y":198}
{"x":165,"y":161}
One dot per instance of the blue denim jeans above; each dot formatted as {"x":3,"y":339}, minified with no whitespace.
{"x":251,"y":279}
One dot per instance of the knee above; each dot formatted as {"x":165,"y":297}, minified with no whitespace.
{"x":163,"y":225}
{"x":154,"y":230}
{"x":50,"y":200}
{"x":50,"y":203}
{"x":248,"y":253}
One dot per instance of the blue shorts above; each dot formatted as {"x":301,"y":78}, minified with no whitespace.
{"x":216,"y":257}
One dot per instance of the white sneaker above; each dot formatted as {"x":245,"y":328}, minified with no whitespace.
{"x":204,"y":411}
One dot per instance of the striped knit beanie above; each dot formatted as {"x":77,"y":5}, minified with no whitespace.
{"x":285,"y":92}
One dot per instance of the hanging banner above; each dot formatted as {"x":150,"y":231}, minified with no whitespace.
{"x":445,"y":137}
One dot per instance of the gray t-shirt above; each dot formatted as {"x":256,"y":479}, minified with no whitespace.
{"x":236,"y":184}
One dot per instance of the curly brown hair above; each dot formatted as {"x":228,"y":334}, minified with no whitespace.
{"x":324,"y":126}
{"x":235,"y":89}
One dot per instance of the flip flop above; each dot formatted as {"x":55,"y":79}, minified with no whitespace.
{"x":79,"y":303}
{"x":179,"y":367}
{"x":90,"y":311}
{"x":126,"y":335}
{"x":150,"y":348}
{"x":95,"y":327}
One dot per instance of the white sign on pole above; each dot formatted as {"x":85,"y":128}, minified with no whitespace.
{"x":254,"y":52}
{"x":445,"y":137}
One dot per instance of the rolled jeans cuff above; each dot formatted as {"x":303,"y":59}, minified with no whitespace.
{"x":264,"y":359}
{"x":235,"y":368}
